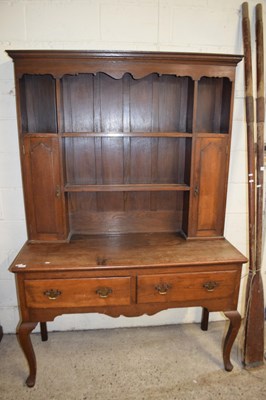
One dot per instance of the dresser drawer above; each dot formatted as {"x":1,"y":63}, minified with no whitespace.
{"x":192,"y":286}
{"x":54,"y":293}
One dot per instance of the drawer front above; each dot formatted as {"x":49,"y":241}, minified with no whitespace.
{"x":187,"y":286}
{"x":54,"y":293}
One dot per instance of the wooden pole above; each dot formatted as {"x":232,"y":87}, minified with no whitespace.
{"x":260,"y":132}
{"x":254,"y":318}
{"x":250,"y":134}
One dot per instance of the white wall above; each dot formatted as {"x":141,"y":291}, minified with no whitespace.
{"x":161,"y":25}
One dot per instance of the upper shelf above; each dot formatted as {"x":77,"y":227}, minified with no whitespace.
{"x":126,"y":134}
{"x":100,"y":104}
{"x":117,"y":63}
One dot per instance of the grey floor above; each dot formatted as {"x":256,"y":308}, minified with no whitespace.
{"x":169,"y":362}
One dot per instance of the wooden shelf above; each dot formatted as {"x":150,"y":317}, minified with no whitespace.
{"x":126,"y":134}
{"x":40,"y":135}
{"x":211,"y":135}
{"x":143,"y":187}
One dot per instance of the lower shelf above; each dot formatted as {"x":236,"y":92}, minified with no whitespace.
{"x":127,"y":188}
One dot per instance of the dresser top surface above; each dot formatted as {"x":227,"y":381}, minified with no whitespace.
{"x":119,"y":251}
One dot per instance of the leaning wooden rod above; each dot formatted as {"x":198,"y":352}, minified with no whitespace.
{"x":260,"y":133}
{"x":250,"y":135}
{"x":254,"y":318}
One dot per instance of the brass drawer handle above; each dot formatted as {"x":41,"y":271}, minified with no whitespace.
{"x":210,"y":286}
{"x":163,"y":288}
{"x":52,"y":294}
{"x":104,"y":292}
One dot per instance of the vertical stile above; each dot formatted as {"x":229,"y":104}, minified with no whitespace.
{"x":182,"y":127}
{"x":155,"y":141}
{"x":217,"y":105}
{"x":62,"y":165}
{"x":19,"y":119}
{"x":126,"y":128}
{"x":59,"y":109}
{"x":183,"y":104}
{"x":97,"y":140}
{"x":191,"y":225}
{"x":229,"y":135}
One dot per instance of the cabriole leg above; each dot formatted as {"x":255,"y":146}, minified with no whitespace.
{"x":24,"y":331}
{"x":235,"y":321}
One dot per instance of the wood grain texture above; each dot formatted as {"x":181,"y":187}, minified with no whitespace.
{"x":255,"y":312}
{"x":235,"y":321}
{"x":78,"y":292}
{"x":38,"y":105}
{"x":43,"y":194}
{"x":121,"y":151}
{"x":208,"y":210}
{"x":139,"y":124}
{"x":117,"y":63}
{"x":23,"y":333}
{"x":151,"y":104}
{"x":213,"y":110}
{"x":185,"y":287}
{"x":131,"y":250}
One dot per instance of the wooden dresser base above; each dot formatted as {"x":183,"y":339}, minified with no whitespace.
{"x":128,"y":275}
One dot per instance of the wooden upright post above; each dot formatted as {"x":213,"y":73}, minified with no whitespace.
{"x":254,"y":318}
